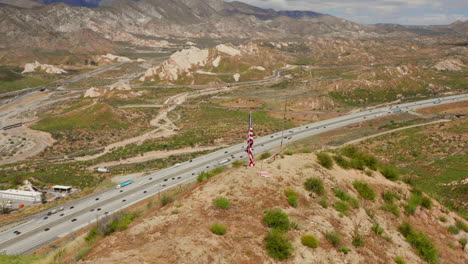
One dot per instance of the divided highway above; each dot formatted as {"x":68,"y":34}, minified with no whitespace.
{"x":42,"y":229}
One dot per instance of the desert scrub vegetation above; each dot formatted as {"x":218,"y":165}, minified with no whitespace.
{"x":276,"y":219}
{"x":207,"y":175}
{"x":325,"y":160}
{"x":390,"y":172}
{"x":265,"y":155}
{"x":420,"y":241}
{"x":291,"y":197}
{"x":399,"y":260}
{"x":341,"y":207}
{"x":315,"y":185}
{"x":309,"y":240}
{"x":222,"y":203}
{"x":390,"y":205}
{"x":334,"y":238}
{"x":364,"y":190}
{"x":343,"y":196}
{"x":218,"y":229}
{"x":82,"y":253}
{"x":111,"y":224}
{"x":416,"y":199}
{"x":278,"y":245}
{"x":358,"y":159}
{"x":358,"y":240}
{"x":165,"y":199}
{"x":377,"y":229}
{"x":18,"y":259}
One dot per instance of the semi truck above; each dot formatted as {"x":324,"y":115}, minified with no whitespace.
{"x":123,"y":184}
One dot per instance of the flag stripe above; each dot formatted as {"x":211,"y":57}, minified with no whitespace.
{"x":250,"y":142}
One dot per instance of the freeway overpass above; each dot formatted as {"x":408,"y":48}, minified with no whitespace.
{"x":38,"y":231}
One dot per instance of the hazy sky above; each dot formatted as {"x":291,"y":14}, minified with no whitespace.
{"x":408,"y":12}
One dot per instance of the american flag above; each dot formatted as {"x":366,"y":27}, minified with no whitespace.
{"x":250,"y":142}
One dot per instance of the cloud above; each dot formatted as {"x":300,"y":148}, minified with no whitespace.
{"x":415,"y":12}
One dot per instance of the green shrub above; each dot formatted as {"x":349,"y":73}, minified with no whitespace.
{"x":218,"y":229}
{"x":309,"y":241}
{"x":463,"y":242}
{"x":341,"y":194}
{"x":357,"y":164}
{"x":265,"y":155}
{"x":291,"y":197}
{"x":399,"y":260}
{"x":345,"y":197}
{"x":390,"y":196}
{"x":289,"y":192}
{"x":358,"y":241}
{"x":426,"y":202}
{"x":413,"y":203}
{"x":345,"y":250}
{"x":277,"y":245}
{"x":453,"y":230}
{"x":377,"y":229}
{"x":237,"y":163}
{"x":349,"y":151}
{"x":364,"y":190}
{"x":292,"y":200}
{"x":390,"y":172}
{"x":207,"y":175}
{"x":294,"y":225}
{"x":165,"y":199}
{"x":443,"y":219}
{"x":420,"y":241}
{"x":341,"y":207}
{"x":83,"y":252}
{"x":392,"y":208}
{"x":461,"y":225}
{"x":222,"y":203}
{"x":325,"y":160}
{"x":276,"y":219}
{"x":342,"y":162}
{"x":334,"y":238}
{"x":315,"y":185}
{"x":323,"y":203}
{"x":92,"y":234}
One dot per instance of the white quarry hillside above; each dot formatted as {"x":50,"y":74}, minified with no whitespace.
{"x":449,"y":65}
{"x":186,"y":61}
{"x":109,"y":58}
{"x":50,"y":69}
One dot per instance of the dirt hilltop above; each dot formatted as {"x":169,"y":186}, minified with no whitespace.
{"x":180,"y":231}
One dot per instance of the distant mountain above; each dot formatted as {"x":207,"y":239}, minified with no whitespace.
{"x":21,"y":3}
{"x":82,"y":3}
{"x":66,"y":25}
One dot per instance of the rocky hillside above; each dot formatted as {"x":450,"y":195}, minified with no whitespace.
{"x":223,"y":63}
{"x":355,"y":217}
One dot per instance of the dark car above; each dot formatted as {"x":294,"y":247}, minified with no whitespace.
{"x":73,"y":220}
{"x":16,"y":232}
{"x":47,"y":229}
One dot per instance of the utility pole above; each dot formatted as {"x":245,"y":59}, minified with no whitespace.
{"x":284,"y":120}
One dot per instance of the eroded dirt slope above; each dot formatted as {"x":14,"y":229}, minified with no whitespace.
{"x":180,"y":231}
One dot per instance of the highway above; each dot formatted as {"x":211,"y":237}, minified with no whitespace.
{"x":37,"y":231}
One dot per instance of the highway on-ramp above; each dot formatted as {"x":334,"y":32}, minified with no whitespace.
{"x":42,"y":229}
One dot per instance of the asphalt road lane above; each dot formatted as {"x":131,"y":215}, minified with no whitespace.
{"x":85,"y":211}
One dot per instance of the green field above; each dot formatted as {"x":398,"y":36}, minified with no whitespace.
{"x":96,"y":117}
{"x":431,"y":157}
{"x":11,"y":79}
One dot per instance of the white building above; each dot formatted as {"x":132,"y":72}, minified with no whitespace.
{"x":20,"y":195}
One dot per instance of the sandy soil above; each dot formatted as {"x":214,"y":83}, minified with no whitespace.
{"x":180,"y":232}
